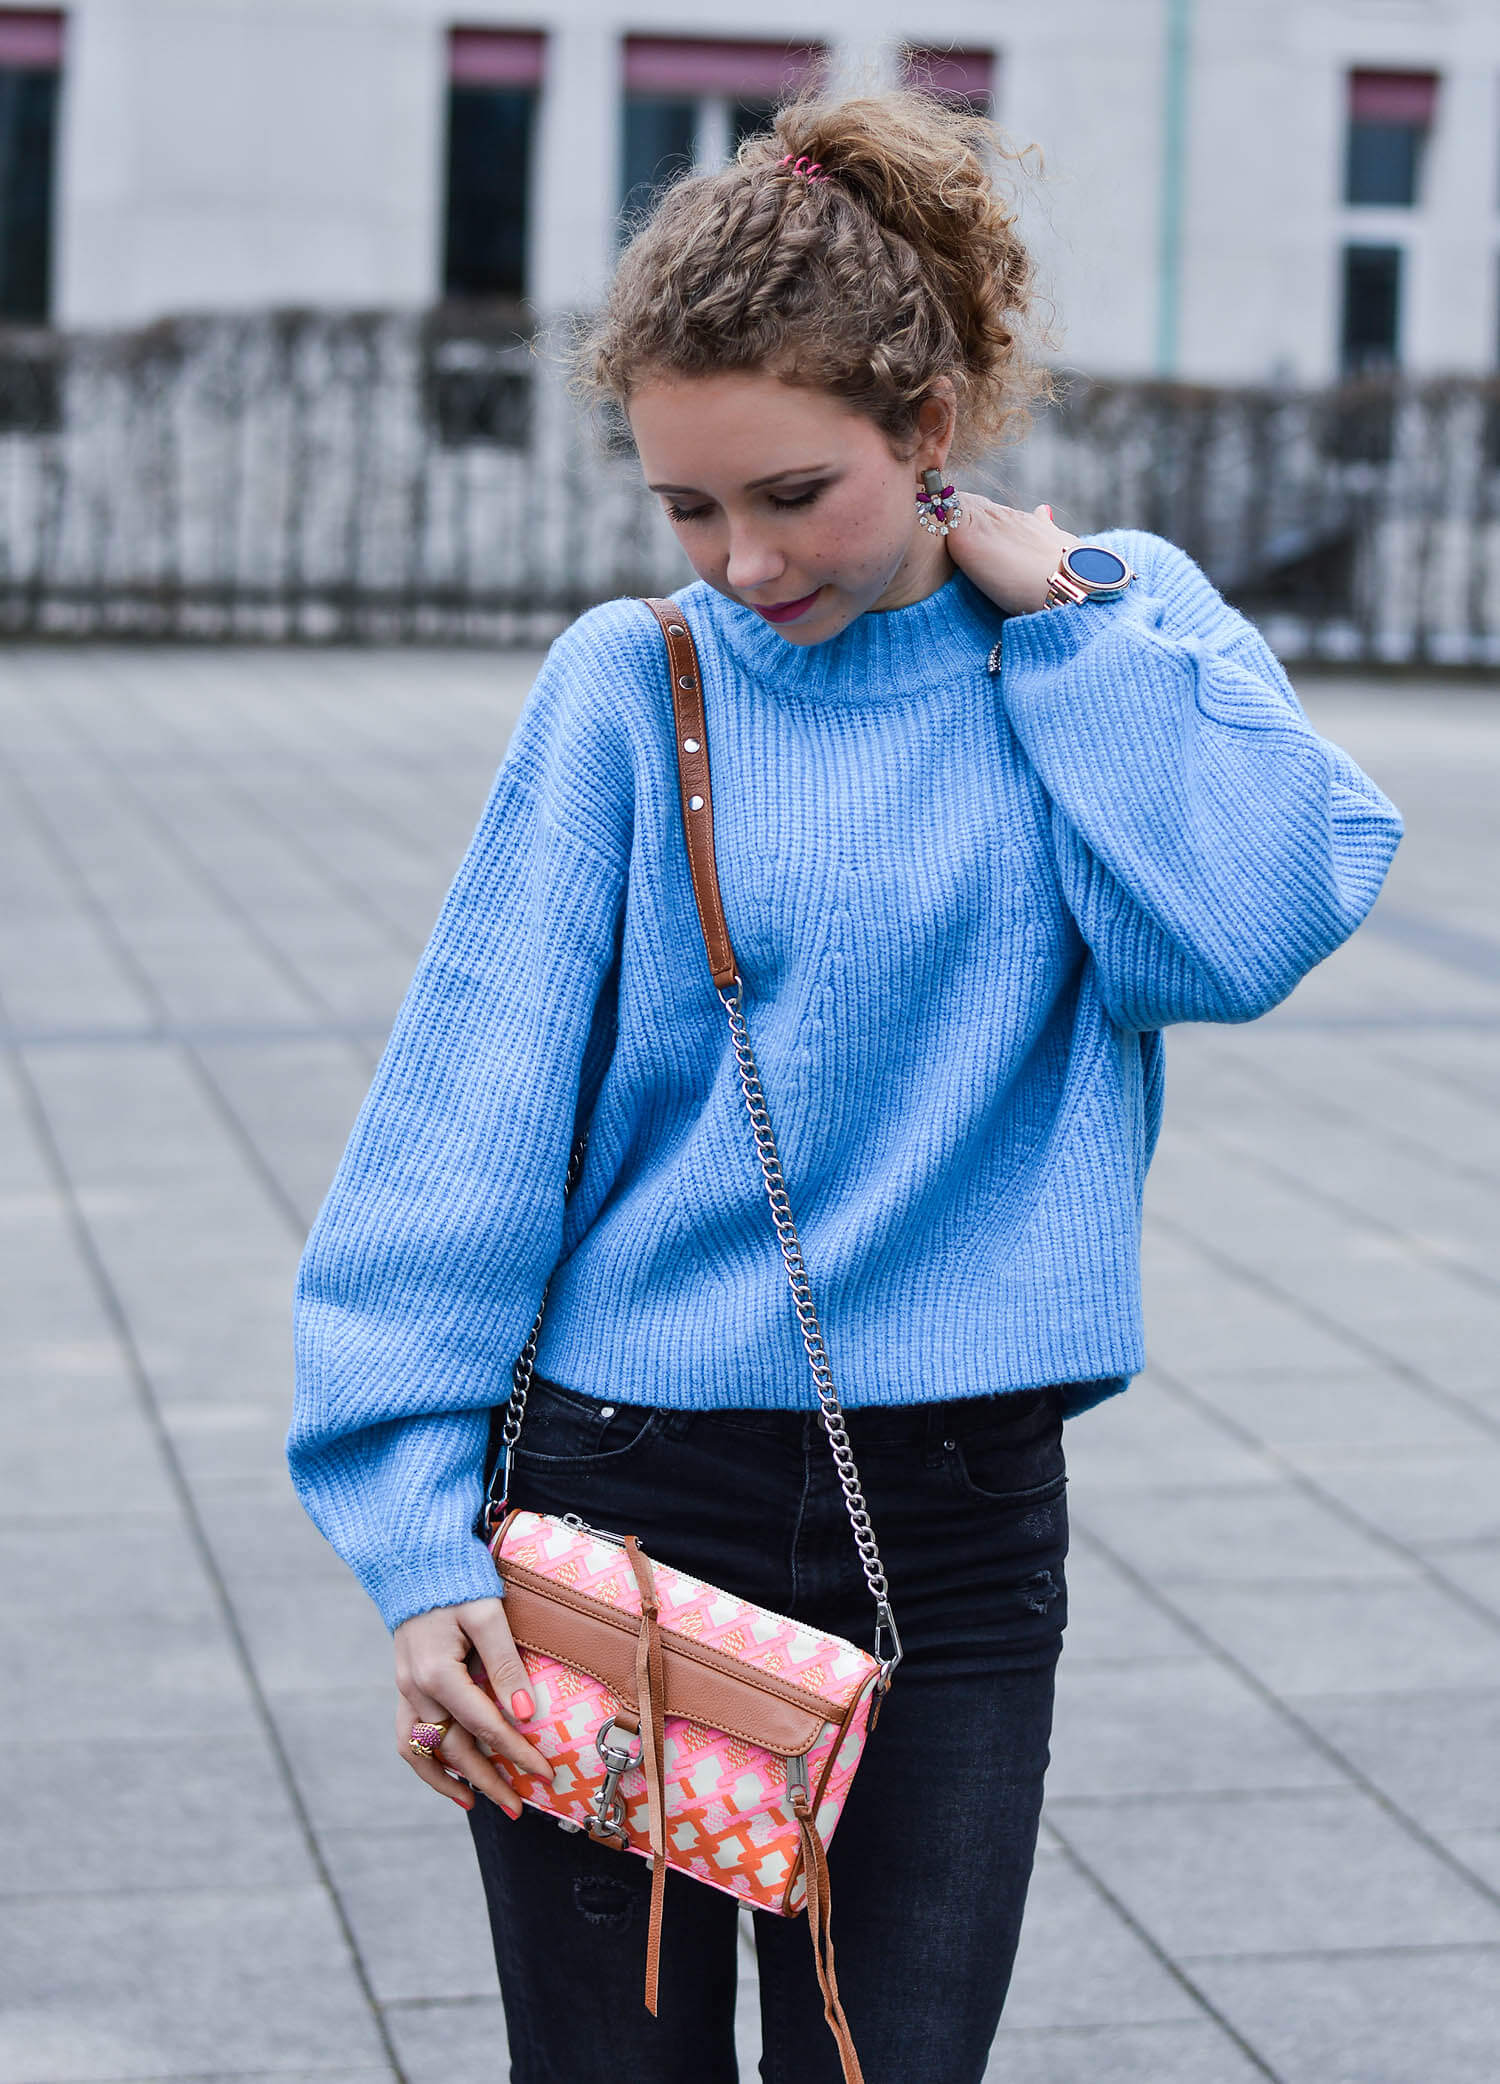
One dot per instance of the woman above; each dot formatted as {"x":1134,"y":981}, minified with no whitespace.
{"x":987,"y":821}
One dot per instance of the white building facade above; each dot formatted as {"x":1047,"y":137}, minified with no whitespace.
{"x":1234,"y":191}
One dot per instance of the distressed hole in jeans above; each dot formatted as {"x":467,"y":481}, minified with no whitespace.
{"x":603,"y":1899}
{"x":1038,"y":1592}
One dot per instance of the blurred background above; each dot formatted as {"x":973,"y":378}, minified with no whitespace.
{"x":290,"y":494}
{"x":278,"y":279}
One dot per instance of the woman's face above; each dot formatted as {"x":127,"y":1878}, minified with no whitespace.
{"x":789,"y":500}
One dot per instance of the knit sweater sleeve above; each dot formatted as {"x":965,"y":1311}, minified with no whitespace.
{"x":1212,"y":847}
{"x":428,"y":1258}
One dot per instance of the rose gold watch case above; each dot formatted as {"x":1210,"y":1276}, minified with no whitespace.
{"x":1066,"y":589}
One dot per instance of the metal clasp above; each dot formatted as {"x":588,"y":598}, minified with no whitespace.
{"x":796,"y":1779}
{"x":617,"y":1758}
{"x":497,"y":1496}
{"x":885,"y":1625}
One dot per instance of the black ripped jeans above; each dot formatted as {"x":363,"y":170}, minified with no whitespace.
{"x":933,"y":1853}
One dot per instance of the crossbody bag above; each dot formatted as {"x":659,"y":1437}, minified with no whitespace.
{"x":682,"y":1722}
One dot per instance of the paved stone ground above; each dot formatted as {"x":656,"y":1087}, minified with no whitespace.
{"x":1273,"y":1839}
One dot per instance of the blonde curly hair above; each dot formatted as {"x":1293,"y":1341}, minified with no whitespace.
{"x":899,"y":266}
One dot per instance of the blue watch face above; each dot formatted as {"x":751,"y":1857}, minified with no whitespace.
{"x":1096,"y":567}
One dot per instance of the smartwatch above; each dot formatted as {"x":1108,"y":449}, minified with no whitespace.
{"x":1088,"y":572}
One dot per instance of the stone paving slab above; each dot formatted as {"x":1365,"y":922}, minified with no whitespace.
{"x":1272,"y":1845}
{"x":437,"y":2043}
{"x":107,"y":1986}
{"x":1432,"y":1756}
{"x":1428,"y":2013}
{"x":1189,"y":1728}
{"x":1186,"y":2053}
{"x":99,"y":1812}
{"x":1297,"y":1871}
{"x":1128,"y":1983}
{"x":1258,"y":1534}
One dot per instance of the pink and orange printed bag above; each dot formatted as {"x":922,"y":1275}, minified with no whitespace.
{"x":755,"y":1707}
{"x":683,"y":1723}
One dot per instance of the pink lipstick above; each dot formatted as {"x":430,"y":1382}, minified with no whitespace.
{"x":788,"y":611}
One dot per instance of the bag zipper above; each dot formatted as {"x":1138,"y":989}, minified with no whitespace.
{"x":581,"y":1526}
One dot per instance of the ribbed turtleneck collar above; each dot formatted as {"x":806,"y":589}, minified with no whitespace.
{"x":880,"y":658}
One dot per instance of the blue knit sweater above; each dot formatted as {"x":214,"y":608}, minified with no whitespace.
{"x":963,"y":902}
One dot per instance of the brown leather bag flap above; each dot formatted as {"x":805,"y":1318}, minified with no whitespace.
{"x":703,"y":1685}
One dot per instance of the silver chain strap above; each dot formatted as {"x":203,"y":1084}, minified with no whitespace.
{"x":520,"y":1376}
{"x":522,"y":1370}
{"x":887,"y":1640}
{"x":812,"y":1331}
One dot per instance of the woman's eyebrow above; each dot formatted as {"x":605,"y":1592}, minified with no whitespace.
{"x":801,"y":470}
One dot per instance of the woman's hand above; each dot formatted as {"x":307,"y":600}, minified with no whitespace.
{"x":1009,"y":555}
{"x":432,"y":1673}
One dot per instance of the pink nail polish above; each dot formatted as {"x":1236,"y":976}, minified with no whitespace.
{"x":521,"y":1705}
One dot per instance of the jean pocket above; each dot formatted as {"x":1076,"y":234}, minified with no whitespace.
{"x":564,"y":1428}
{"x":1012,"y":1457}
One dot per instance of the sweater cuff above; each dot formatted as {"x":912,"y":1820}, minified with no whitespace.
{"x":1053,"y":637}
{"x":403,"y":1586}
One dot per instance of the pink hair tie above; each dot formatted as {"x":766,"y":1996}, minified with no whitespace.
{"x":804,"y":168}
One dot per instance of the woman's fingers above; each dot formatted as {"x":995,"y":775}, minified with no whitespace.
{"x":1009,"y":553}
{"x":507,"y":1675}
{"x":431,"y":1649}
{"x":457,"y":1753}
{"x":460,"y":1751}
{"x":975,"y":503}
{"x":472,"y":1709}
{"x":427,"y":1767}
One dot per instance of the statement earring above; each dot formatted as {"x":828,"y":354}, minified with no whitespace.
{"x":938,"y":508}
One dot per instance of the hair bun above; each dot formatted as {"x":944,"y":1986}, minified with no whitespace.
{"x":925,"y":171}
{"x":862,"y":245}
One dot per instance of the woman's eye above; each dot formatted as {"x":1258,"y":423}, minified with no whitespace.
{"x":784,"y":505}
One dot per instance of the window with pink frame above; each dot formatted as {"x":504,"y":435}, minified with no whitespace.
{"x":690,"y":102}
{"x":31,"y":50}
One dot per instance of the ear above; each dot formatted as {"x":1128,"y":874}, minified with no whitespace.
{"x":936,"y":424}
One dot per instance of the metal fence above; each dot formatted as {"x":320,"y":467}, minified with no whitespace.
{"x":1360,"y":523}
{"x":315,"y":475}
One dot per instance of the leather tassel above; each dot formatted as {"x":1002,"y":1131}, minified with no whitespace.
{"x":651,"y":1693}
{"x":819,"y":1931}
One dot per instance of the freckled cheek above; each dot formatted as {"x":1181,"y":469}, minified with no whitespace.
{"x":709,"y":558}
{"x":851,"y":547}
{"x":860,"y":548}
{"x":859,"y":536}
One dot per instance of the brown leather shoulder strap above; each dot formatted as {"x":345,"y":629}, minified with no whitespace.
{"x":691,"y":728}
